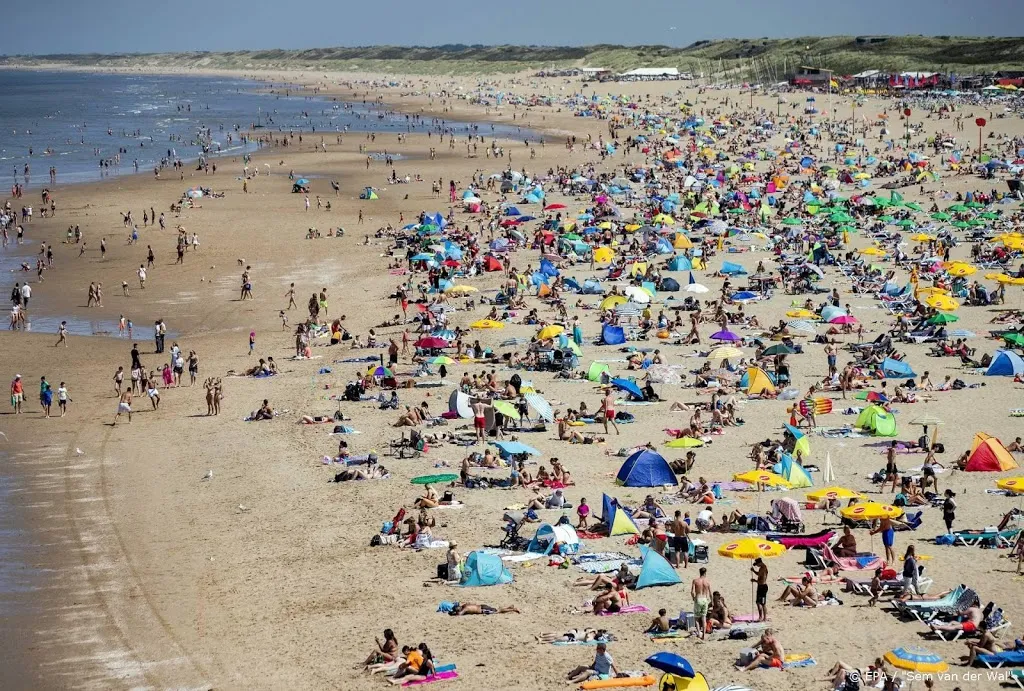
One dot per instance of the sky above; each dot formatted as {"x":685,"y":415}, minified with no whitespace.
{"x":112,"y":26}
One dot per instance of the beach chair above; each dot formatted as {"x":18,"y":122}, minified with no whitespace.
{"x":947,"y":611}
{"x":889,"y":588}
{"x":1007,"y":658}
{"x":998,"y":538}
{"x":908,"y":608}
{"x":861,"y":562}
{"x":1017,"y":675}
{"x":910,"y":521}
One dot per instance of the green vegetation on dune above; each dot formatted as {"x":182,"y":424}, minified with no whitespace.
{"x":758,"y":59}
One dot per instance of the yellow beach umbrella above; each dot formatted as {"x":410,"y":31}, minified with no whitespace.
{"x":1011,"y":484}
{"x":870,"y":510}
{"x":664,"y":219}
{"x":487,"y":324}
{"x":922,"y":237}
{"x":549,"y":332}
{"x":801,"y":314}
{"x":960,"y":269}
{"x":931,"y":290}
{"x":761,"y":477}
{"x":605,"y":225}
{"x":603,"y":255}
{"x":942,"y":302}
{"x":461,"y":290}
{"x":751,"y":548}
{"x":995,"y":276}
{"x":1010,"y":280}
{"x":873,"y":252}
{"x":916,"y":659}
{"x":632,"y":227}
{"x":833,"y":493}
{"x":725,"y":353}
{"x":684,"y":443}
{"x":612,"y":301}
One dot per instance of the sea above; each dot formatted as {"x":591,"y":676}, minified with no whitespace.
{"x":74,"y":121}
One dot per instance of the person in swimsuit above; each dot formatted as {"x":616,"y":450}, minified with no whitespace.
{"x":480,"y":420}
{"x":608,"y":408}
{"x":700,"y":591}
{"x":888,"y":538}
{"x":124,"y":405}
{"x":680,"y":540}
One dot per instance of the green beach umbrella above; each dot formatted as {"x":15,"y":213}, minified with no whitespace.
{"x":905,"y":223}
{"x":975,"y":205}
{"x":960,"y":224}
{"x":989,"y":216}
{"x":886,"y":218}
{"x":1015,"y":339}
{"x":957,"y":208}
{"x":941,"y":216}
{"x":792,"y":221}
{"x":943,"y":318}
{"x":913,"y":206}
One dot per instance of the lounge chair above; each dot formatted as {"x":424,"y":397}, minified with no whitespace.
{"x":910,"y":521}
{"x":1011,"y":658}
{"x":819,"y":539}
{"x":889,"y":588}
{"x":861,"y":562}
{"x":909,"y":608}
{"x":948,"y":611}
{"x":994,"y":622}
{"x":1000,"y":538}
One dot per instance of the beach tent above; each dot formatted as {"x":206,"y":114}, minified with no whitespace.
{"x":548,"y":535}
{"x":877,"y":420}
{"x":896,"y":369}
{"x":794,"y":473}
{"x":484,"y":569}
{"x":679,"y":264}
{"x":596,"y":370}
{"x":492,"y":264}
{"x":617,"y":520}
{"x":670,"y":285}
{"x":645,"y":468}
{"x":733,"y":269}
{"x":1005,"y":364}
{"x":613,"y":335}
{"x":757,"y":382}
{"x":988,"y":455}
{"x":655,"y":570}
{"x":368,"y":193}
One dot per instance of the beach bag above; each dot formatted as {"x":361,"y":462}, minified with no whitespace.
{"x":448,"y":497}
{"x":958,"y":384}
{"x":442,"y":572}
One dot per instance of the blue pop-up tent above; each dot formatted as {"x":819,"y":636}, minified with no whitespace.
{"x":655,"y":571}
{"x":629,"y":387}
{"x":896,"y":369}
{"x":1006,"y":363}
{"x":613,"y":335}
{"x":733,"y":269}
{"x":645,"y":468}
{"x":484,"y":569}
{"x":679,"y":263}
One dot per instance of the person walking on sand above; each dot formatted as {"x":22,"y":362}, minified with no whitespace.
{"x":17,"y":394}
{"x":608,"y":408}
{"x":480,"y":420}
{"x":62,"y":335}
{"x":119,"y":379}
{"x":63,"y":399}
{"x":124,"y":405}
{"x":700,"y":591}
{"x":142,"y":279}
{"x":291,"y":297}
{"x":760,"y":571}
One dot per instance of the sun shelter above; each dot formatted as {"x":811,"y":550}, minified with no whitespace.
{"x":549,"y":535}
{"x":492,"y":264}
{"x":988,"y":455}
{"x":613,"y":335}
{"x":484,"y":569}
{"x":757,"y":382}
{"x":896,"y":369}
{"x":646,"y":468}
{"x":617,"y":520}
{"x":669,"y":285}
{"x":655,"y":571}
{"x":878,"y":421}
{"x":794,"y":473}
{"x":630,"y":387}
{"x":368,"y":193}
{"x":733,"y":269}
{"x":596,"y":370}
{"x":1006,"y":363}
{"x":679,"y":263}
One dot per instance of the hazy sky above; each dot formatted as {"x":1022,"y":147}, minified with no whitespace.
{"x":109,"y":26}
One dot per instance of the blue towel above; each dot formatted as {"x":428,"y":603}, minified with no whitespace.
{"x":445,"y":607}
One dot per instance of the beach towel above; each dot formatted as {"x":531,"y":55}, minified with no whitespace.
{"x":439,"y":676}
{"x":631,"y":609}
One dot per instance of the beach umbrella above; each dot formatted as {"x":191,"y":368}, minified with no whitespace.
{"x":1011,"y":484}
{"x":461,"y":290}
{"x":441,"y":360}
{"x":629,"y":387}
{"x":744,"y":295}
{"x":726,"y":335}
{"x":960,"y":269}
{"x":684,"y":443}
{"x":843,"y":319}
{"x":942,"y":302}
{"x":549,"y":332}
{"x":870,"y":510}
{"x":916,"y":659}
{"x":543,"y":408}
{"x":696,"y":288}
{"x":957,"y":208}
{"x":554,"y":207}
{"x":514,"y":448}
{"x":792,"y":221}
{"x":801,"y":325}
{"x":834,"y":493}
{"x":670,"y":663}
{"x":974,"y":205}
{"x":943,"y":318}
{"x":872,"y":252}
{"x":922,"y":237}
{"x":751,"y":548}
{"x":612,"y":301}
{"x":487,"y":324}
{"x":725,"y":353}
{"x":431,"y":342}
{"x":381,"y":371}
{"x":778,"y":349}
{"x":941,"y":216}
{"x":913,"y":206}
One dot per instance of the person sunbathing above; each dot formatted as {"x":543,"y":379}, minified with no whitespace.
{"x":844,"y":677}
{"x":374,"y":472}
{"x":622,"y":579}
{"x":385,"y":652}
{"x":985,"y":645}
{"x":718,"y":615}
{"x":968,"y":622}
{"x":466,"y":608}
{"x":429,"y":500}
{"x":572,"y":636}
{"x":769,"y":652}
{"x":608,"y":601}
{"x":410,"y":418}
{"x":265,"y":412}
{"x":801,"y":595}
{"x":418,"y":665}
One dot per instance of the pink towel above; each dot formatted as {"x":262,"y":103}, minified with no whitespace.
{"x":632,"y":609}
{"x":440,"y":676}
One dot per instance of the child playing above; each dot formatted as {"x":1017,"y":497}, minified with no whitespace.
{"x":875,"y":588}
{"x":582,"y":511}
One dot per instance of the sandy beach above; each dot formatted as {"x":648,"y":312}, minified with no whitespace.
{"x":262,"y":577}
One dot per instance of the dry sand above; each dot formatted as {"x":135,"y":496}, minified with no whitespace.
{"x":262,"y":577}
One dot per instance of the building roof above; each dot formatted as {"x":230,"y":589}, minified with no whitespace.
{"x":652,"y":72}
